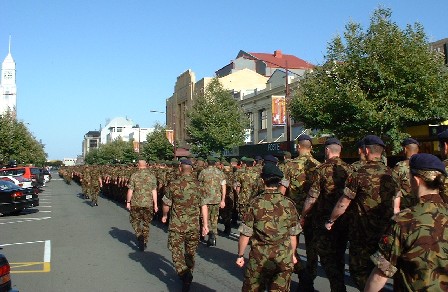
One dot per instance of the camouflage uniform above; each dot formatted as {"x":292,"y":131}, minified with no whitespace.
{"x":357,"y":165}
{"x":142,"y":183}
{"x":415,"y":247}
{"x":227,"y":211}
{"x":94,"y":185}
{"x":251,"y":185}
{"x":300,"y":172}
{"x":270,"y":221}
{"x":371,"y":190}
{"x":444,"y":195}
{"x":402,"y":174}
{"x":328,"y":186}
{"x":212,"y":179}
{"x":185,"y":198}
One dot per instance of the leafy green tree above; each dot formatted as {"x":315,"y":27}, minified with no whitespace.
{"x":157,"y":146}
{"x":377,"y":81}
{"x":217,"y":122}
{"x":17,"y":143}
{"x":118,"y":151}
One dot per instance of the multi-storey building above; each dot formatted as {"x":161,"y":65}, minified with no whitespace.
{"x":441,"y":46}
{"x":92,"y":140}
{"x":259,"y":83}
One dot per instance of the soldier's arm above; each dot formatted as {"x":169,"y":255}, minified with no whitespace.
{"x":294,"y":242}
{"x":376,"y":281}
{"x":204,"y":211}
{"x":242,"y":244}
{"x":223,"y":193}
{"x":308,"y":205}
{"x":128,"y":198}
{"x":340,"y":208}
{"x":154,"y":199}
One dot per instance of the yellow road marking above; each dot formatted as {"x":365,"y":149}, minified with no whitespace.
{"x":46,"y":267}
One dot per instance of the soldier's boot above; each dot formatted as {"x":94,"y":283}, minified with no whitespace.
{"x":211,"y":239}
{"x":305,"y":282}
{"x":186,"y":278}
{"x":86,"y":196}
{"x":141,"y":243}
{"x":227,"y":229}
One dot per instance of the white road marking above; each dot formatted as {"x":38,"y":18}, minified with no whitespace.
{"x":44,"y":211}
{"x":47,"y":252}
{"x":22,"y":243}
{"x":25,"y":220}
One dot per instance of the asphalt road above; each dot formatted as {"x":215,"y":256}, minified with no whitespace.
{"x":65,"y":244}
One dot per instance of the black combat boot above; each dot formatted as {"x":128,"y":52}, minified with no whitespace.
{"x":211,"y":239}
{"x":141,"y":243}
{"x":227,"y":229}
{"x":186,"y":278}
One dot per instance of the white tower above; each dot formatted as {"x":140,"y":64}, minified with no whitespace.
{"x":8,"y":88}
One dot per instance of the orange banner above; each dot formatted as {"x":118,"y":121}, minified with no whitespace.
{"x":170,"y":136}
{"x":278,"y":111}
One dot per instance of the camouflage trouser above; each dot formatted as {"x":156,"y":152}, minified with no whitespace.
{"x":67,"y":179}
{"x":183,"y":246}
{"x":360,"y":265}
{"x":213,"y":214}
{"x":94,"y":191}
{"x":311,"y":252}
{"x":268,"y":269}
{"x":242,"y":209}
{"x":140,"y":218}
{"x":84,"y":188}
{"x":226,"y":213}
{"x":331,"y":246}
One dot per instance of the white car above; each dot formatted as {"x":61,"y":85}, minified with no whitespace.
{"x":18,"y":180}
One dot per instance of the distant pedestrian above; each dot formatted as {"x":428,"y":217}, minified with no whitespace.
{"x":141,"y":202}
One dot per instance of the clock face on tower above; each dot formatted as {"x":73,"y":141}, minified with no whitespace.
{"x":7,"y":75}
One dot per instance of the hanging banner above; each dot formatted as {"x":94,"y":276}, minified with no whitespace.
{"x":170,"y":136}
{"x":278,"y":111}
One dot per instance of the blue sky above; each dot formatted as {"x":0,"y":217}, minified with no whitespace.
{"x":82,"y":62}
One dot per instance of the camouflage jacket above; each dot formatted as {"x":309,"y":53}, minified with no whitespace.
{"x":142,"y":182}
{"x":250,"y":184}
{"x":212,"y":180}
{"x":402,"y":175}
{"x":357,"y":165}
{"x":185,"y":196}
{"x":299,"y":173}
{"x":371,"y":190}
{"x":416,"y":246}
{"x":270,"y":221}
{"x":328,"y":186}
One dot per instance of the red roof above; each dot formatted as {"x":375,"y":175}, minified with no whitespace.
{"x":279,"y":60}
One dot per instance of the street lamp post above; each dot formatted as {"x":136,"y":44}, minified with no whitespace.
{"x":174,"y":131}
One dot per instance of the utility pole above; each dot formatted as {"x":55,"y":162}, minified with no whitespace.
{"x":288,"y":116}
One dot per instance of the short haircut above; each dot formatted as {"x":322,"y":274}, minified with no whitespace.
{"x":305,"y":144}
{"x":375,"y":149}
{"x":271,"y":181}
{"x":334,"y":148}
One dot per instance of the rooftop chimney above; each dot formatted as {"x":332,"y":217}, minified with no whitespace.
{"x":278,"y":54}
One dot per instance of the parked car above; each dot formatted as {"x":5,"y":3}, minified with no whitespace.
{"x":46,"y":174}
{"x":30,"y":172}
{"x":5,"y":275}
{"x":21,"y":182}
{"x":14,"y":199}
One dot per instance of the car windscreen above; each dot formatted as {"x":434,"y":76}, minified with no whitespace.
{"x":6,"y":185}
{"x":35,"y":170}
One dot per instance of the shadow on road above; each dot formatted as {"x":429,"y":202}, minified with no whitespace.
{"x":159,"y":267}
{"x":124,"y":236}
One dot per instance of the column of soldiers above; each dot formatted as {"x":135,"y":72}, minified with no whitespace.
{"x":336,"y":202}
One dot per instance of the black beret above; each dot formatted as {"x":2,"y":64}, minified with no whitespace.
{"x":360,"y":143}
{"x":408,"y":141}
{"x":270,"y":159}
{"x":186,"y":162}
{"x":270,"y":170}
{"x":286,"y":153}
{"x":333,"y":140}
{"x":425,"y":161}
{"x":258,"y":158}
{"x":373,"y":140}
{"x":304,"y":137}
{"x":443,"y":136}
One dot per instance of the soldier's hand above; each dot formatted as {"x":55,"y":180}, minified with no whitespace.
{"x":156,"y":209}
{"x":204,"y":230}
{"x":294,"y":259}
{"x":302,"y":221}
{"x":164,"y":218}
{"x":222,"y":204}
{"x":128,"y":206}
{"x":240,"y":262}
{"x":328,"y":225}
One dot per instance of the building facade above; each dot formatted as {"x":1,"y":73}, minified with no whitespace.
{"x":92,"y":140}
{"x":441,"y":47}
{"x":258,"y":81}
{"x":8,"y":88}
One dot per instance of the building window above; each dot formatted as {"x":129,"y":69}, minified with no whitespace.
{"x":263,"y":119}
{"x":119,"y":129}
{"x":250,"y":117}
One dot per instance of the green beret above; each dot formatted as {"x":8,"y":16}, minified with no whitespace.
{"x":225,"y":163}
{"x":233,"y":160}
{"x":175,"y":162}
